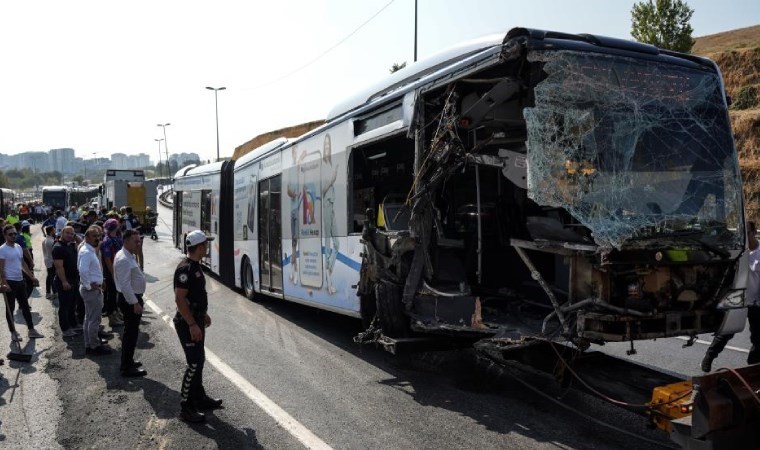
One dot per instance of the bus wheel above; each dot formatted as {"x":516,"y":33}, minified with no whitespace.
{"x":246,"y":279}
{"x":390,"y":309}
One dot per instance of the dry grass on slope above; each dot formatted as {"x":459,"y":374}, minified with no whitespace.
{"x":729,"y":40}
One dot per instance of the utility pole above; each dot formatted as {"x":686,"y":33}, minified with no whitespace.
{"x":216,"y":103}
{"x":415,"y":30}
{"x":166,"y":147}
{"x":160,"y":174}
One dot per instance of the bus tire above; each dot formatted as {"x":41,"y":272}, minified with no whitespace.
{"x":390,"y":309}
{"x":246,"y":279}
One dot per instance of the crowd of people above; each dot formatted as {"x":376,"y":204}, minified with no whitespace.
{"x":94,"y":269}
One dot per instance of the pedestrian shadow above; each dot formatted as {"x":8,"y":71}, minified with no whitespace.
{"x":18,"y":318}
{"x":150,"y":278}
{"x":27,"y":347}
{"x":165,"y":403}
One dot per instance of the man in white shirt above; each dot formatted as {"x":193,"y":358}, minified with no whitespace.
{"x":60,"y":222}
{"x":12,"y":270}
{"x":130,"y":283}
{"x":47,"y":255}
{"x":90,"y":288}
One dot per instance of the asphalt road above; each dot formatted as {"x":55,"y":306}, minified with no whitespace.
{"x":291,"y":377}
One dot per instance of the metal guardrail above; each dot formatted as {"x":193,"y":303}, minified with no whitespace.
{"x":164,"y":198}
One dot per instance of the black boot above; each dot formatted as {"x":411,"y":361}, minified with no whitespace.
{"x":188,"y":413}
{"x":707,"y":363}
{"x":206,"y":402}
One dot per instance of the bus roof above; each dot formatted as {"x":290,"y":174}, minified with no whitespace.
{"x":181,"y":172}
{"x":260,"y":151}
{"x":205,"y":169}
{"x":415,"y":72}
{"x":55,"y":188}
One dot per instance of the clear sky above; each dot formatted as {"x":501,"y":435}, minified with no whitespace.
{"x":97,"y":76}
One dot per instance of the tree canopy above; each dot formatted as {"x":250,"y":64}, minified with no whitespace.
{"x":396,"y":67}
{"x":663,"y":23}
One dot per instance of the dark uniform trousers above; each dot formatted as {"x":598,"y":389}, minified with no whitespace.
{"x":720,"y":341}
{"x":110,"y":294}
{"x":131,"y":329}
{"x":17,"y":292}
{"x":195,"y":355}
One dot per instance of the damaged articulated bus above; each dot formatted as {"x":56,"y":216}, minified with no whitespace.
{"x":566,"y":187}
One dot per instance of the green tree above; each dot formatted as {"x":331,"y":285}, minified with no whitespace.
{"x":396,"y":66}
{"x":663,"y":23}
{"x":4,"y":180}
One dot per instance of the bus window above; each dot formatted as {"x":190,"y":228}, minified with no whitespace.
{"x":379,"y":170}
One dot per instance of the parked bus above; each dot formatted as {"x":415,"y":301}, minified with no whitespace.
{"x":83,"y":195}
{"x":7,"y":202}
{"x":57,"y":197}
{"x":538,"y":185}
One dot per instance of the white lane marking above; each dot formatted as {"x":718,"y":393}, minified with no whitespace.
{"x":285,"y":420}
{"x":700,"y":341}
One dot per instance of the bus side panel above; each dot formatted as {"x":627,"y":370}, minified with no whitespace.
{"x":191,"y":213}
{"x":319,"y":264}
{"x":244,"y":223}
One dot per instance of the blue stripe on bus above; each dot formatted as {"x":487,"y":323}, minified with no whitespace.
{"x":341,"y":257}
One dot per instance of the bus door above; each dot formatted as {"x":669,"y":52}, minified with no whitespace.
{"x":177,"y":219}
{"x":270,"y":234}
{"x":206,"y":200}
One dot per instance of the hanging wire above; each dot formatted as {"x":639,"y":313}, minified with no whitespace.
{"x":321,"y":55}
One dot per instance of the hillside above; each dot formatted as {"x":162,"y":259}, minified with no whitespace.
{"x":288,"y":132}
{"x":737,"y":53}
{"x":728,"y":40}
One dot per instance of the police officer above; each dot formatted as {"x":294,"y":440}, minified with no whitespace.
{"x":190,"y":322}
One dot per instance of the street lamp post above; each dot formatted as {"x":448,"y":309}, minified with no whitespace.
{"x":166,"y":147}
{"x":216,"y":103}
{"x":160,"y":173}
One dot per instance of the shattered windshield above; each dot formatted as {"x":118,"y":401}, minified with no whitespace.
{"x":633,"y":148}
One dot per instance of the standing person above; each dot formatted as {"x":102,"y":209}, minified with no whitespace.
{"x":26,"y":249}
{"x":752,"y":300}
{"x":60,"y":222}
{"x":39,"y":213}
{"x":12,"y":270}
{"x":11,"y":218}
{"x":47,"y":255}
{"x":90,"y":288}
{"x":74,"y":214}
{"x":49,"y":222}
{"x":130,"y":283}
{"x":26,"y":232}
{"x":132,"y":222}
{"x":66,"y":281}
{"x":190,"y":323}
{"x":111,"y":245}
{"x":23,"y":212}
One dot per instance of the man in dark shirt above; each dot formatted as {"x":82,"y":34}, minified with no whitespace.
{"x":66,"y":281}
{"x":190,"y":322}
{"x":111,"y":245}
